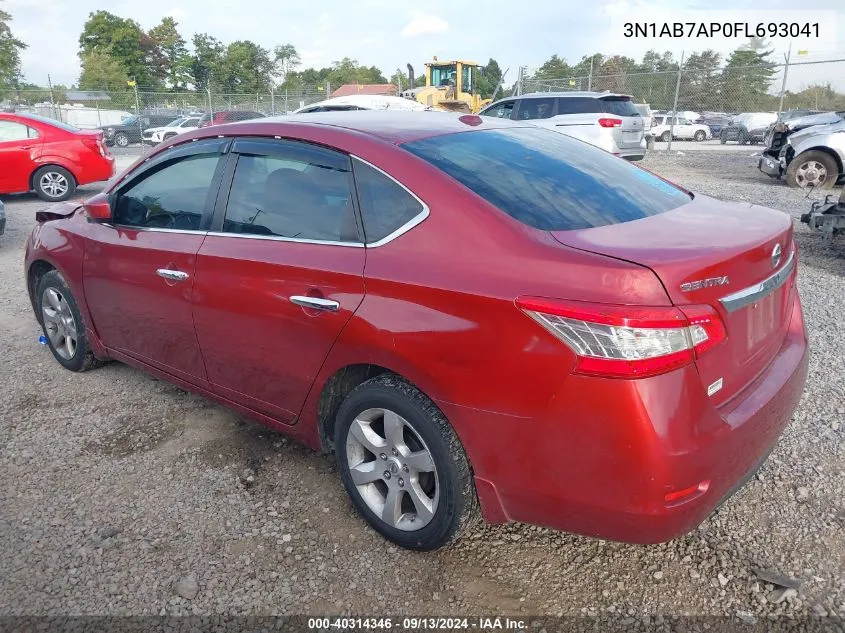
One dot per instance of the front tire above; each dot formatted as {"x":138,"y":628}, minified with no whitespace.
{"x":53,"y":183}
{"x":403,"y":466}
{"x":812,"y":169}
{"x":699,"y":136}
{"x":121,"y":140}
{"x":665,"y":137}
{"x":62,"y":323}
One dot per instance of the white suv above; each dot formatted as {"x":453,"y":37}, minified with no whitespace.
{"x":607,"y":120}
{"x":683,"y":129}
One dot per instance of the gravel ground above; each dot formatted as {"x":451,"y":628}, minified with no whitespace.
{"x":125,"y":495}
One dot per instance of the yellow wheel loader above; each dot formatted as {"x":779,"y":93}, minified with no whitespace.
{"x":449,"y":85}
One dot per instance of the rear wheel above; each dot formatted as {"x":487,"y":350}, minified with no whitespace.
{"x":699,"y":136}
{"x":403,"y":466}
{"x":62,"y":323}
{"x":121,"y":139}
{"x":812,"y":169}
{"x":665,"y":137}
{"x":53,"y":183}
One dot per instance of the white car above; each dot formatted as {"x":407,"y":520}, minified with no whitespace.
{"x":156,"y":135}
{"x":607,"y":120}
{"x":363,"y":102}
{"x":683,"y":129}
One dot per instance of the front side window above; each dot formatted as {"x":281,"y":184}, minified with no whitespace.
{"x":11,"y":131}
{"x":294,"y":191}
{"x":172,"y":196}
{"x":547,"y":180}
{"x":466,"y":78}
{"x":386,"y":206}
{"x":502,"y":110}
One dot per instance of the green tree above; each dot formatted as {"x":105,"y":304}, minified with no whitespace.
{"x":488,"y":78}
{"x":174,"y":53}
{"x":286,"y":60}
{"x":125,"y":41}
{"x":101,"y":71}
{"x":553,"y":68}
{"x":10,"y":50}
{"x":701,"y":84}
{"x":246,"y":68}
{"x":207,"y":61}
{"x":747,"y":77}
{"x":348,"y":71}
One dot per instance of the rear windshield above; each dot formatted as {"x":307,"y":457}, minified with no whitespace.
{"x":548,"y":180}
{"x":620,"y":107}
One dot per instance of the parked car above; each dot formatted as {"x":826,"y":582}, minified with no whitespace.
{"x":662,"y":129}
{"x":131,"y":129}
{"x":2,"y":218}
{"x":155,"y":135}
{"x":715,"y":122}
{"x":49,"y":157}
{"x":607,"y":120}
{"x":228,"y":116}
{"x":749,"y":127}
{"x":777,"y":134}
{"x":363,"y":102}
{"x":810,"y":157}
{"x":613,"y":356}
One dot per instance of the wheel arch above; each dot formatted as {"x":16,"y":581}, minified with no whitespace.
{"x":825,"y":150}
{"x":36,"y":270}
{"x":50,"y":161}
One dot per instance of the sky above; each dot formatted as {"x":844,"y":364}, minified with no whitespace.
{"x":391,"y":33}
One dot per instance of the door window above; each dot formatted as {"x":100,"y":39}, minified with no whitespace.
{"x":536,"y":109}
{"x":11,"y":131}
{"x":502,"y":110}
{"x":171,"y":196}
{"x":291,"y":190}
{"x":386,"y":206}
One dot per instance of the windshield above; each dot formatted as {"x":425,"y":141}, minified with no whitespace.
{"x":43,"y":119}
{"x":176,"y":123}
{"x":548,"y":180}
{"x":130,"y":120}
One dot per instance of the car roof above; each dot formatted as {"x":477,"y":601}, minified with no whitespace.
{"x":393,"y":126}
{"x":572,"y":93}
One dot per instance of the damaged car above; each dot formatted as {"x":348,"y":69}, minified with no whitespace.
{"x":808,"y":151}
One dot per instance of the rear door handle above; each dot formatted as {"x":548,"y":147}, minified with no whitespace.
{"x":315,"y":303}
{"x":172,"y":275}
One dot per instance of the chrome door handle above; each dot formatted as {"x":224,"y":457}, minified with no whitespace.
{"x":315,"y":303}
{"x":172,"y":275}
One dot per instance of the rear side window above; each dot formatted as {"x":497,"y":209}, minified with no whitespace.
{"x":11,"y":131}
{"x":578,"y":105}
{"x":386,"y":206}
{"x":536,"y":109}
{"x":548,"y":180}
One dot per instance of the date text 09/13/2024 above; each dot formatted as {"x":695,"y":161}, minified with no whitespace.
{"x":720,"y":29}
{"x":416,"y":623}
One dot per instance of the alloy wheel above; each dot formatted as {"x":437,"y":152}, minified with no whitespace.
{"x":810,"y":174}
{"x":121,"y":140}
{"x":392,"y":469}
{"x":53,"y":184}
{"x":59,"y":323}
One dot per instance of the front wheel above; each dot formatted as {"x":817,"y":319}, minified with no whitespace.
{"x":54,"y":183}
{"x":403,"y":466}
{"x":121,"y":140}
{"x":700,"y":135}
{"x":61,"y":320}
{"x":812,"y":169}
{"x":665,"y":137}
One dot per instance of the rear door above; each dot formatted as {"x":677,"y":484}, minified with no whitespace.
{"x":279,"y":275}
{"x":630,"y":135}
{"x":20,"y":147}
{"x":139,"y":268}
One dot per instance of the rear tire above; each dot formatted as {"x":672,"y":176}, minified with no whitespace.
{"x":53,"y":183}
{"x":121,"y":140}
{"x":416,"y":475}
{"x":812,"y":169}
{"x":62,"y":323}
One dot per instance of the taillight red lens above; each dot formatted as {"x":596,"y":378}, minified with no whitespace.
{"x":627,"y":341}
{"x":605,"y":122}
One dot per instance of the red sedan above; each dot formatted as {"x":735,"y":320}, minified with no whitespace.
{"x":478,"y":318}
{"x":49,"y":157}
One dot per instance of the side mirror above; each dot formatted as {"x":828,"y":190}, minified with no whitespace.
{"x":98,"y":208}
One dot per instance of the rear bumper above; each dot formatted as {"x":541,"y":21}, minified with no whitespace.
{"x":96,"y":170}
{"x":603,"y":456}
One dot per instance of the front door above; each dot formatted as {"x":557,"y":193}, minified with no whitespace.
{"x":279,"y":275}
{"x":139,"y":268}
{"x":20,"y":146}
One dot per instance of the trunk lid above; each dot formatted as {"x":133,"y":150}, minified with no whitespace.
{"x":709,"y":252}
{"x":94,"y":140}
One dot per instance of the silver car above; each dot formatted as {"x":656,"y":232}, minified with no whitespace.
{"x":812,"y":157}
{"x":607,"y":120}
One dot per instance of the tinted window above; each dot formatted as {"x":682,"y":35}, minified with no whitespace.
{"x":295,"y":191}
{"x":578,"y":105}
{"x":536,"y":109}
{"x":548,"y":180}
{"x":171,"y":197}
{"x":43,"y":119}
{"x":619,"y":107}
{"x":502,"y":110}
{"x":385,"y":205}
{"x":11,"y":131}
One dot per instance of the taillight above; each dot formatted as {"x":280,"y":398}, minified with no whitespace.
{"x":627,"y":341}
{"x":604,"y":122}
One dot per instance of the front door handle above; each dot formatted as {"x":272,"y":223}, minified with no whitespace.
{"x":172,"y":275}
{"x":315,"y":303}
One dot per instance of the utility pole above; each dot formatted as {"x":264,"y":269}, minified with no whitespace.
{"x":675,"y":104}
{"x":52,"y":103}
{"x":590,"y":77}
{"x":134,"y":84}
{"x":785,"y":73}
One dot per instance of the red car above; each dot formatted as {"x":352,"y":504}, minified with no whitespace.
{"x":477,"y":317}
{"x":49,"y":157}
{"x":228,"y":116}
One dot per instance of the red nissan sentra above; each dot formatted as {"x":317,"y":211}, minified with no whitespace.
{"x":475,"y":317}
